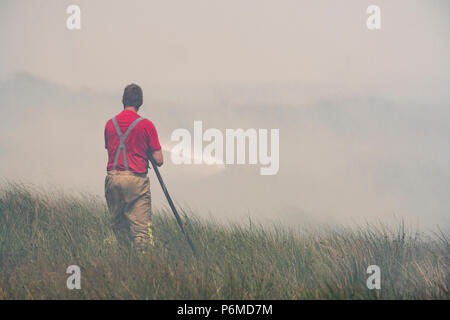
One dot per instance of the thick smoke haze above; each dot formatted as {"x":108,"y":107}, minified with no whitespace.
{"x":364,"y":116}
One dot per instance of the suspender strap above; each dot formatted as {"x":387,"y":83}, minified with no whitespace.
{"x":123,"y":137}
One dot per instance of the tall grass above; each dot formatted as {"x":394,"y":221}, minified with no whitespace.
{"x":43,"y":232}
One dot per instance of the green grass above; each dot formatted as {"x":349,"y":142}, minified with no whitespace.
{"x":43,"y":232}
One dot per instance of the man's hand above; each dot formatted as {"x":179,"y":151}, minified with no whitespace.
{"x":158,"y":157}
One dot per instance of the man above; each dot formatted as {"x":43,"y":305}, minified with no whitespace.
{"x":130,"y":140}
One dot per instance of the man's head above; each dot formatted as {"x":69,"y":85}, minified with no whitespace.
{"x":132,"y":96}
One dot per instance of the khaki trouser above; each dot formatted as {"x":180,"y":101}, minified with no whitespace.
{"x":129,"y":202}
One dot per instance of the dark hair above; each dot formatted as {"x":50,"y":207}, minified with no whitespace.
{"x":132,"y":96}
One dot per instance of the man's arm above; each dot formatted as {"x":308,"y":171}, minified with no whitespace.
{"x":158,"y":156}
{"x":154,"y":148}
{"x":106,"y":135}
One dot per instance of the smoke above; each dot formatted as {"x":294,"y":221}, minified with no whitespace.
{"x":340,"y":158}
{"x":363,"y":116}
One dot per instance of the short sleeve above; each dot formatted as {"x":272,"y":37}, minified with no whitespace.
{"x":153,"y":141}
{"x":106,"y":135}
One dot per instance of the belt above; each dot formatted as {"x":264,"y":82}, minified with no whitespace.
{"x":126,"y":173}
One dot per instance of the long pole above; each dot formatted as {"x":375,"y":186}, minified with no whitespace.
{"x":172,"y":206}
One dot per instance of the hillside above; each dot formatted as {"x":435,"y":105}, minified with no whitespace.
{"x":43,"y":232}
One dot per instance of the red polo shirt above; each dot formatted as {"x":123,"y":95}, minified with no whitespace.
{"x":142,"y":139}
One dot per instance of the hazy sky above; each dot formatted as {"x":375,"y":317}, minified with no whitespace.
{"x":363,"y":115}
